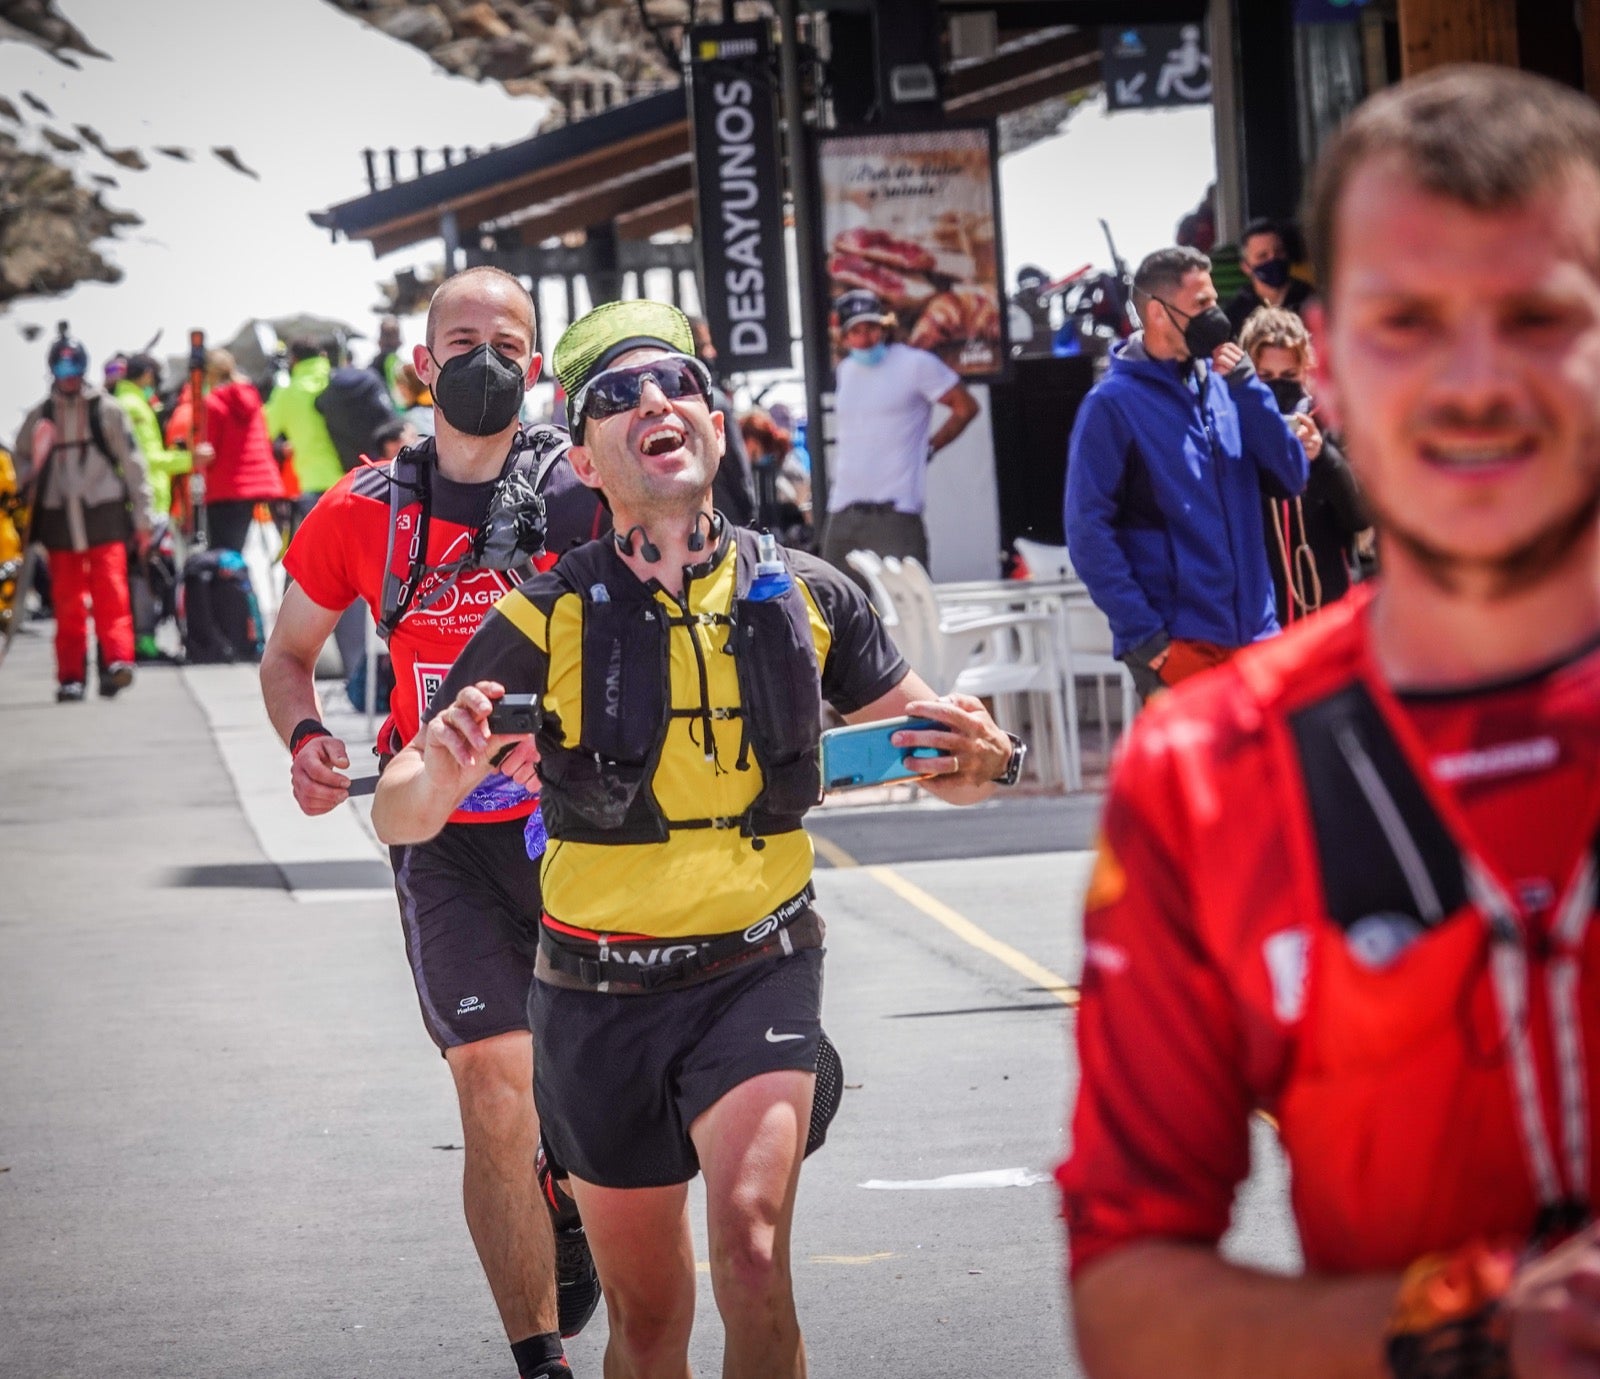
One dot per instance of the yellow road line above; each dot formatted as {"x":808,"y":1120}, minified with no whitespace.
{"x":957,"y":923}
{"x":853,"y":1259}
{"x":833,"y":852}
{"x":964,"y":929}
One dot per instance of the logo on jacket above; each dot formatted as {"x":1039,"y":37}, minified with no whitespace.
{"x":1287,"y":955}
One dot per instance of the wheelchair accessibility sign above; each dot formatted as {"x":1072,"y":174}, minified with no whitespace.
{"x":1151,"y":66}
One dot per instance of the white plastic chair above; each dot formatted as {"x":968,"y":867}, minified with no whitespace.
{"x":1086,"y":650}
{"x":1087,"y":642}
{"x":1044,"y":561}
{"x":869,"y":565}
{"x":1001,"y":656}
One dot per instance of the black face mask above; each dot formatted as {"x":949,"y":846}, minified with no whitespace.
{"x":1271,"y":272}
{"x":1205,"y":331}
{"x":1288,"y":392}
{"x":480,"y":392}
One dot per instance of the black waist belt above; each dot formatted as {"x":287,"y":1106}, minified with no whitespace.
{"x":870,"y":507}
{"x":651,"y":963}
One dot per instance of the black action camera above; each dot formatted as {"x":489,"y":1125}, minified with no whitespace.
{"x":516,"y":713}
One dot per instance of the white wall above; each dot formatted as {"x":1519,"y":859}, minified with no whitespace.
{"x":963,"y":514}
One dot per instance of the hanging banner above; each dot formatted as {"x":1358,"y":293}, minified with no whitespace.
{"x":914,"y":218}
{"x":738,"y":178}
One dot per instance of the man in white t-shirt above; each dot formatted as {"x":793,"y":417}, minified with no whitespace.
{"x":884,"y":402}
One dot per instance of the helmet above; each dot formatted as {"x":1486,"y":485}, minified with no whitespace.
{"x":68,"y":358}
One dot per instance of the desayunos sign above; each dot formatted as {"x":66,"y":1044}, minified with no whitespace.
{"x":739,"y":196}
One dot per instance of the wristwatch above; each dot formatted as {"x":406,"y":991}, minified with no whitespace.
{"x":1019,"y":754}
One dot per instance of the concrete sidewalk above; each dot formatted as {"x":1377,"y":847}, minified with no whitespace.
{"x":226,"y":1144}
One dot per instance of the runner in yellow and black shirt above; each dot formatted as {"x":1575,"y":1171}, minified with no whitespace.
{"x":677,"y":995}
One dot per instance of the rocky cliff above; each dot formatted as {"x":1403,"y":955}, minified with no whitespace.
{"x":49,"y":225}
{"x":582,"y":54}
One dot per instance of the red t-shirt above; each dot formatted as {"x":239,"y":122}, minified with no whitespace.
{"x":1283,"y":917}
{"x":337,"y":556}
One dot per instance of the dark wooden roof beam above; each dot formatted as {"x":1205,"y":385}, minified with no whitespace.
{"x":545,"y":184}
{"x":598,"y":205}
{"x":1060,"y":80}
{"x":673,"y":213}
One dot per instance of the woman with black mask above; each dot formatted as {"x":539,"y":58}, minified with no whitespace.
{"x":1310,"y":539}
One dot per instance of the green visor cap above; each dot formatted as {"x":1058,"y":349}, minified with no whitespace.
{"x":591,"y":342}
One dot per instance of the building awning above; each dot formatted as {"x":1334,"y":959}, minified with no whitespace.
{"x":631,"y":166}
{"x":579,"y":174}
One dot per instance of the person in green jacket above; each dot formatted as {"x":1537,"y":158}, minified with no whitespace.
{"x":141,"y":376}
{"x":132,"y":392}
{"x":292,"y":413}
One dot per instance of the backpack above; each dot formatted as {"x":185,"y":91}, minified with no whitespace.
{"x":97,"y":426}
{"x":354,"y":405}
{"x":217,"y":609}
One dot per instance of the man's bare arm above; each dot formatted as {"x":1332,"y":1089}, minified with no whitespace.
{"x":289,"y":687}
{"x":1158,"y":1308}
{"x":975,"y":750}
{"x":441,"y":766}
{"x":963,"y":408}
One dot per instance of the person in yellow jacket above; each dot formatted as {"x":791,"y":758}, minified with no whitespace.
{"x":292,"y":413}
{"x":12,"y":518}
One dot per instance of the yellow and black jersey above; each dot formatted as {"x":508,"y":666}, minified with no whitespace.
{"x":608,"y":874}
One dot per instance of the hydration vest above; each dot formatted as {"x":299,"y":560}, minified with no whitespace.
{"x":534,"y":452}
{"x":598,"y":790}
{"x":1384,"y":1027}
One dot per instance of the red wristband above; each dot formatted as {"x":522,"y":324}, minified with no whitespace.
{"x":306,"y":730}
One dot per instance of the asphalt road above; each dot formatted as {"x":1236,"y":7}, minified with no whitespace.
{"x":227,"y":1146}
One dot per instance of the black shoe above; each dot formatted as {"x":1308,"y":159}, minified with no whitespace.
{"x":69,"y":692}
{"x":577,"y":1282}
{"x":114,"y":678}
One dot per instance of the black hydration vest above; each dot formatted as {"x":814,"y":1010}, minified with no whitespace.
{"x":535,"y":452}
{"x":598,"y":791}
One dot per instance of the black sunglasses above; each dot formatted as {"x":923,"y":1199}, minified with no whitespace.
{"x":616,"y":391}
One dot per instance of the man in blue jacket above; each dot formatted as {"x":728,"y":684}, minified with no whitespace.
{"x":1165,"y":470}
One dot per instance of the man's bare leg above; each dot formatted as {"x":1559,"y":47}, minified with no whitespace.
{"x":505,"y":1210}
{"x":645,"y":1254}
{"x":750,"y":1144}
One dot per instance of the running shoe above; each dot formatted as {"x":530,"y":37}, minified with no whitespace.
{"x":70,"y":692}
{"x":115,"y":677}
{"x":577,"y":1282}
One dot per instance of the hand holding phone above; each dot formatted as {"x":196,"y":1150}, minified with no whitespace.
{"x":863,"y":754}
{"x":516,"y":713}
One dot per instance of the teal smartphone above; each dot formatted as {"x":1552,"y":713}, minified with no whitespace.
{"x":862,"y":754}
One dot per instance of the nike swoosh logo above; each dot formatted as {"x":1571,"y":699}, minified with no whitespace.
{"x":780,"y":1038}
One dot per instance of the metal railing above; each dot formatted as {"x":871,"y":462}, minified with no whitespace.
{"x":389,"y":167}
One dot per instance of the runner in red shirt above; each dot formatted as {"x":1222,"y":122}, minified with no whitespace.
{"x":469,"y":899}
{"x":1350,"y":878}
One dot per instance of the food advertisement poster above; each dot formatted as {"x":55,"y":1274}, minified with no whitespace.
{"x":913,"y":217}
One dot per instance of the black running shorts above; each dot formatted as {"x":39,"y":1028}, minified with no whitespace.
{"x":470,"y":904}
{"x":620,"y":1079}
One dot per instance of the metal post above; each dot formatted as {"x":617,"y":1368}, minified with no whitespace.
{"x":1225,"y":122}
{"x":813,"y":327}
{"x":450,"y":233}
{"x":370,"y":157}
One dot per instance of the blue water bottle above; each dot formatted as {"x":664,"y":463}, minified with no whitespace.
{"x":772,"y":575}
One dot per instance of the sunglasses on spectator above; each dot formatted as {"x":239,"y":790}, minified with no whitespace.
{"x":616,"y":391}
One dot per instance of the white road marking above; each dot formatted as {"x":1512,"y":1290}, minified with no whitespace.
{"x":990,"y":1177}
